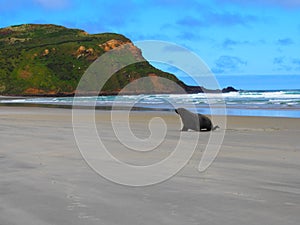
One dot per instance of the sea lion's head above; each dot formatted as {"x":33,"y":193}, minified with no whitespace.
{"x":190,"y":120}
{"x":180,"y":110}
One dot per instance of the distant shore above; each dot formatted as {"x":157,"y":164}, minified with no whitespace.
{"x":187,"y":90}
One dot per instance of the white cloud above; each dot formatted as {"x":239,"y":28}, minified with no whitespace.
{"x":225,"y":64}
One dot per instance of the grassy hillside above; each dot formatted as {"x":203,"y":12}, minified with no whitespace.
{"x":50,"y":60}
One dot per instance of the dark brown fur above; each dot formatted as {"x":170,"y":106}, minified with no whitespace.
{"x":193,"y":121}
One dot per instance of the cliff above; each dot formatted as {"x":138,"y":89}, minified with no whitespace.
{"x":49,"y":60}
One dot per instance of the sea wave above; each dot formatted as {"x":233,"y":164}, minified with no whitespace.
{"x":245,"y":100}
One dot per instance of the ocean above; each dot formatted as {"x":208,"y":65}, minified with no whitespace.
{"x":276,"y":103}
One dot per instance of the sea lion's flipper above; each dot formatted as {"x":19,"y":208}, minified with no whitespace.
{"x":215,"y":127}
{"x":184,"y":128}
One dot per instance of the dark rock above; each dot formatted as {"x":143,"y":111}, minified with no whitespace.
{"x":229,"y":89}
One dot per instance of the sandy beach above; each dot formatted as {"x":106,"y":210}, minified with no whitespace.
{"x":44,"y":179}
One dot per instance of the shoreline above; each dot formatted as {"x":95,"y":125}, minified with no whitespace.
{"x":235,"y":120}
{"x":231,"y":110}
{"x":277,"y":103}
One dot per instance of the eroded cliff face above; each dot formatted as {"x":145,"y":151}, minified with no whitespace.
{"x":112,"y":44}
{"x":107,"y":46}
{"x":119,"y":44}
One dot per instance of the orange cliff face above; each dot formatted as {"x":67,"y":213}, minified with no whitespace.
{"x":113,"y":44}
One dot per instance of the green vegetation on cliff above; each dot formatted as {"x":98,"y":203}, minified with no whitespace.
{"x":50,"y":60}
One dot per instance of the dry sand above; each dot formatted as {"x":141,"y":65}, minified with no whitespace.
{"x":255,"y":178}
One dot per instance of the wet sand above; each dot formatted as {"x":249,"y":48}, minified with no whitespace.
{"x":255,"y":178}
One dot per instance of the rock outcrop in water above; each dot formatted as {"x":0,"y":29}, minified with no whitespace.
{"x":49,"y":60}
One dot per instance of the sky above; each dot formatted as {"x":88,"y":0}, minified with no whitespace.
{"x":236,"y":39}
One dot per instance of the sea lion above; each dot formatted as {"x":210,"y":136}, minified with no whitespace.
{"x":193,"y":121}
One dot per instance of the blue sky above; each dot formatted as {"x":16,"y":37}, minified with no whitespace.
{"x":233,"y":37}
